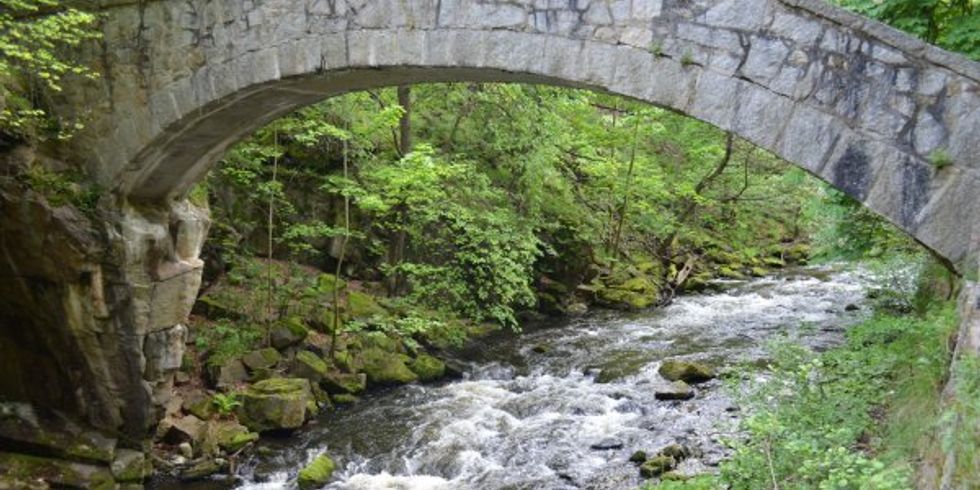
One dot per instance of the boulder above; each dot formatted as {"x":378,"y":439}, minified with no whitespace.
{"x":624,"y":299}
{"x":288,"y":333}
{"x":427,"y":367}
{"x":261,"y":359}
{"x":687,"y":371}
{"x":577,"y":309}
{"x":362,"y":305}
{"x":344,"y":383}
{"x":620,"y":365}
{"x":607,"y":444}
{"x":226,"y":435}
{"x":309,"y":366}
{"x":276,"y":403}
{"x":657,"y":466}
{"x":129,"y":466}
{"x":184,"y":429}
{"x":638,"y":457}
{"x":316,"y":474}
{"x":23,"y":471}
{"x":385,"y":368}
{"x":678,"y":390}
{"x":198,"y":404}
{"x":230,"y":374}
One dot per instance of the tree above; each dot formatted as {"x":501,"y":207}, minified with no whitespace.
{"x":36,"y":37}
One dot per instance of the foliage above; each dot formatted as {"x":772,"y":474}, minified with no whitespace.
{"x":952,"y":24}
{"x":35,"y":37}
{"x":225,"y":340}
{"x":225,"y":403}
{"x":961,"y":422}
{"x":844,"y":229}
{"x":815,"y":422}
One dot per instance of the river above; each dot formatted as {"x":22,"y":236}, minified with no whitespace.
{"x":530,"y":414}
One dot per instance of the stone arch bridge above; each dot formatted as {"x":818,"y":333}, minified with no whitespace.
{"x":98,"y":311}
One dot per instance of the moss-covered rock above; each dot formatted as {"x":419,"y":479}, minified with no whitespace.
{"x":316,"y":474}
{"x":288,"y":333}
{"x":362,"y":305}
{"x":638,"y":457}
{"x":758,"y":271}
{"x":624,"y":299}
{"x":229,"y":374}
{"x":427,"y":367}
{"x":620,"y":365}
{"x":201,"y":470}
{"x":226,"y":435}
{"x":261,"y":359}
{"x":731,"y":272}
{"x":657,"y":466}
{"x":277,"y":403}
{"x":344,"y":383}
{"x":383,"y":368}
{"x":199,"y":404}
{"x":774,"y":262}
{"x":308,"y":365}
{"x":129,"y":466}
{"x":44,"y":472}
{"x":343,"y":399}
{"x":687,"y":371}
{"x":22,"y":424}
{"x":327,"y":282}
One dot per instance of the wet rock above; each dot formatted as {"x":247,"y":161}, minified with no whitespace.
{"x":288,"y":333}
{"x":638,"y":457}
{"x":316,"y":474}
{"x":427,"y":367}
{"x":129,"y":466}
{"x":577,"y":309}
{"x":657,"y":466}
{"x":686,"y":371}
{"x":620,"y":365}
{"x":852,"y":307}
{"x":344,"y":383}
{"x":678,"y":390}
{"x":186,"y":450}
{"x":607,"y":444}
{"x":309,"y":366}
{"x":384,"y":368}
{"x":275,"y":404}
{"x":676,"y":451}
{"x":44,"y":472}
{"x":541,"y":349}
{"x":51,"y":434}
{"x":261,"y":359}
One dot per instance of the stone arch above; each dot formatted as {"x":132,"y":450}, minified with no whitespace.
{"x":859,"y":105}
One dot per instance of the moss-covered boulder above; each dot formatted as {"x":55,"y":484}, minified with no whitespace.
{"x":226,"y":436}
{"x":228,"y":374}
{"x":758,"y":271}
{"x":731,"y":272}
{"x":678,"y":390}
{"x":385,"y":368}
{"x":261,"y":359}
{"x":624,"y":299}
{"x":316,"y":474}
{"x":344,"y":383}
{"x":687,"y":371}
{"x":310,"y":366}
{"x":638,"y":457}
{"x":288,"y":333}
{"x":427,"y":367}
{"x":343,"y":399}
{"x":199,"y":404}
{"x":201,"y":470}
{"x":275,"y":404}
{"x":362,"y":305}
{"x":621,"y":364}
{"x":657,"y":466}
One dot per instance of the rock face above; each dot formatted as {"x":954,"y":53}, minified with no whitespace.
{"x":94,"y":301}
{"x":276,"y":404}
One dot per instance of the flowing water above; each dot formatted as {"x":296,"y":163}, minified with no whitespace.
{"x":529,"y":414}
